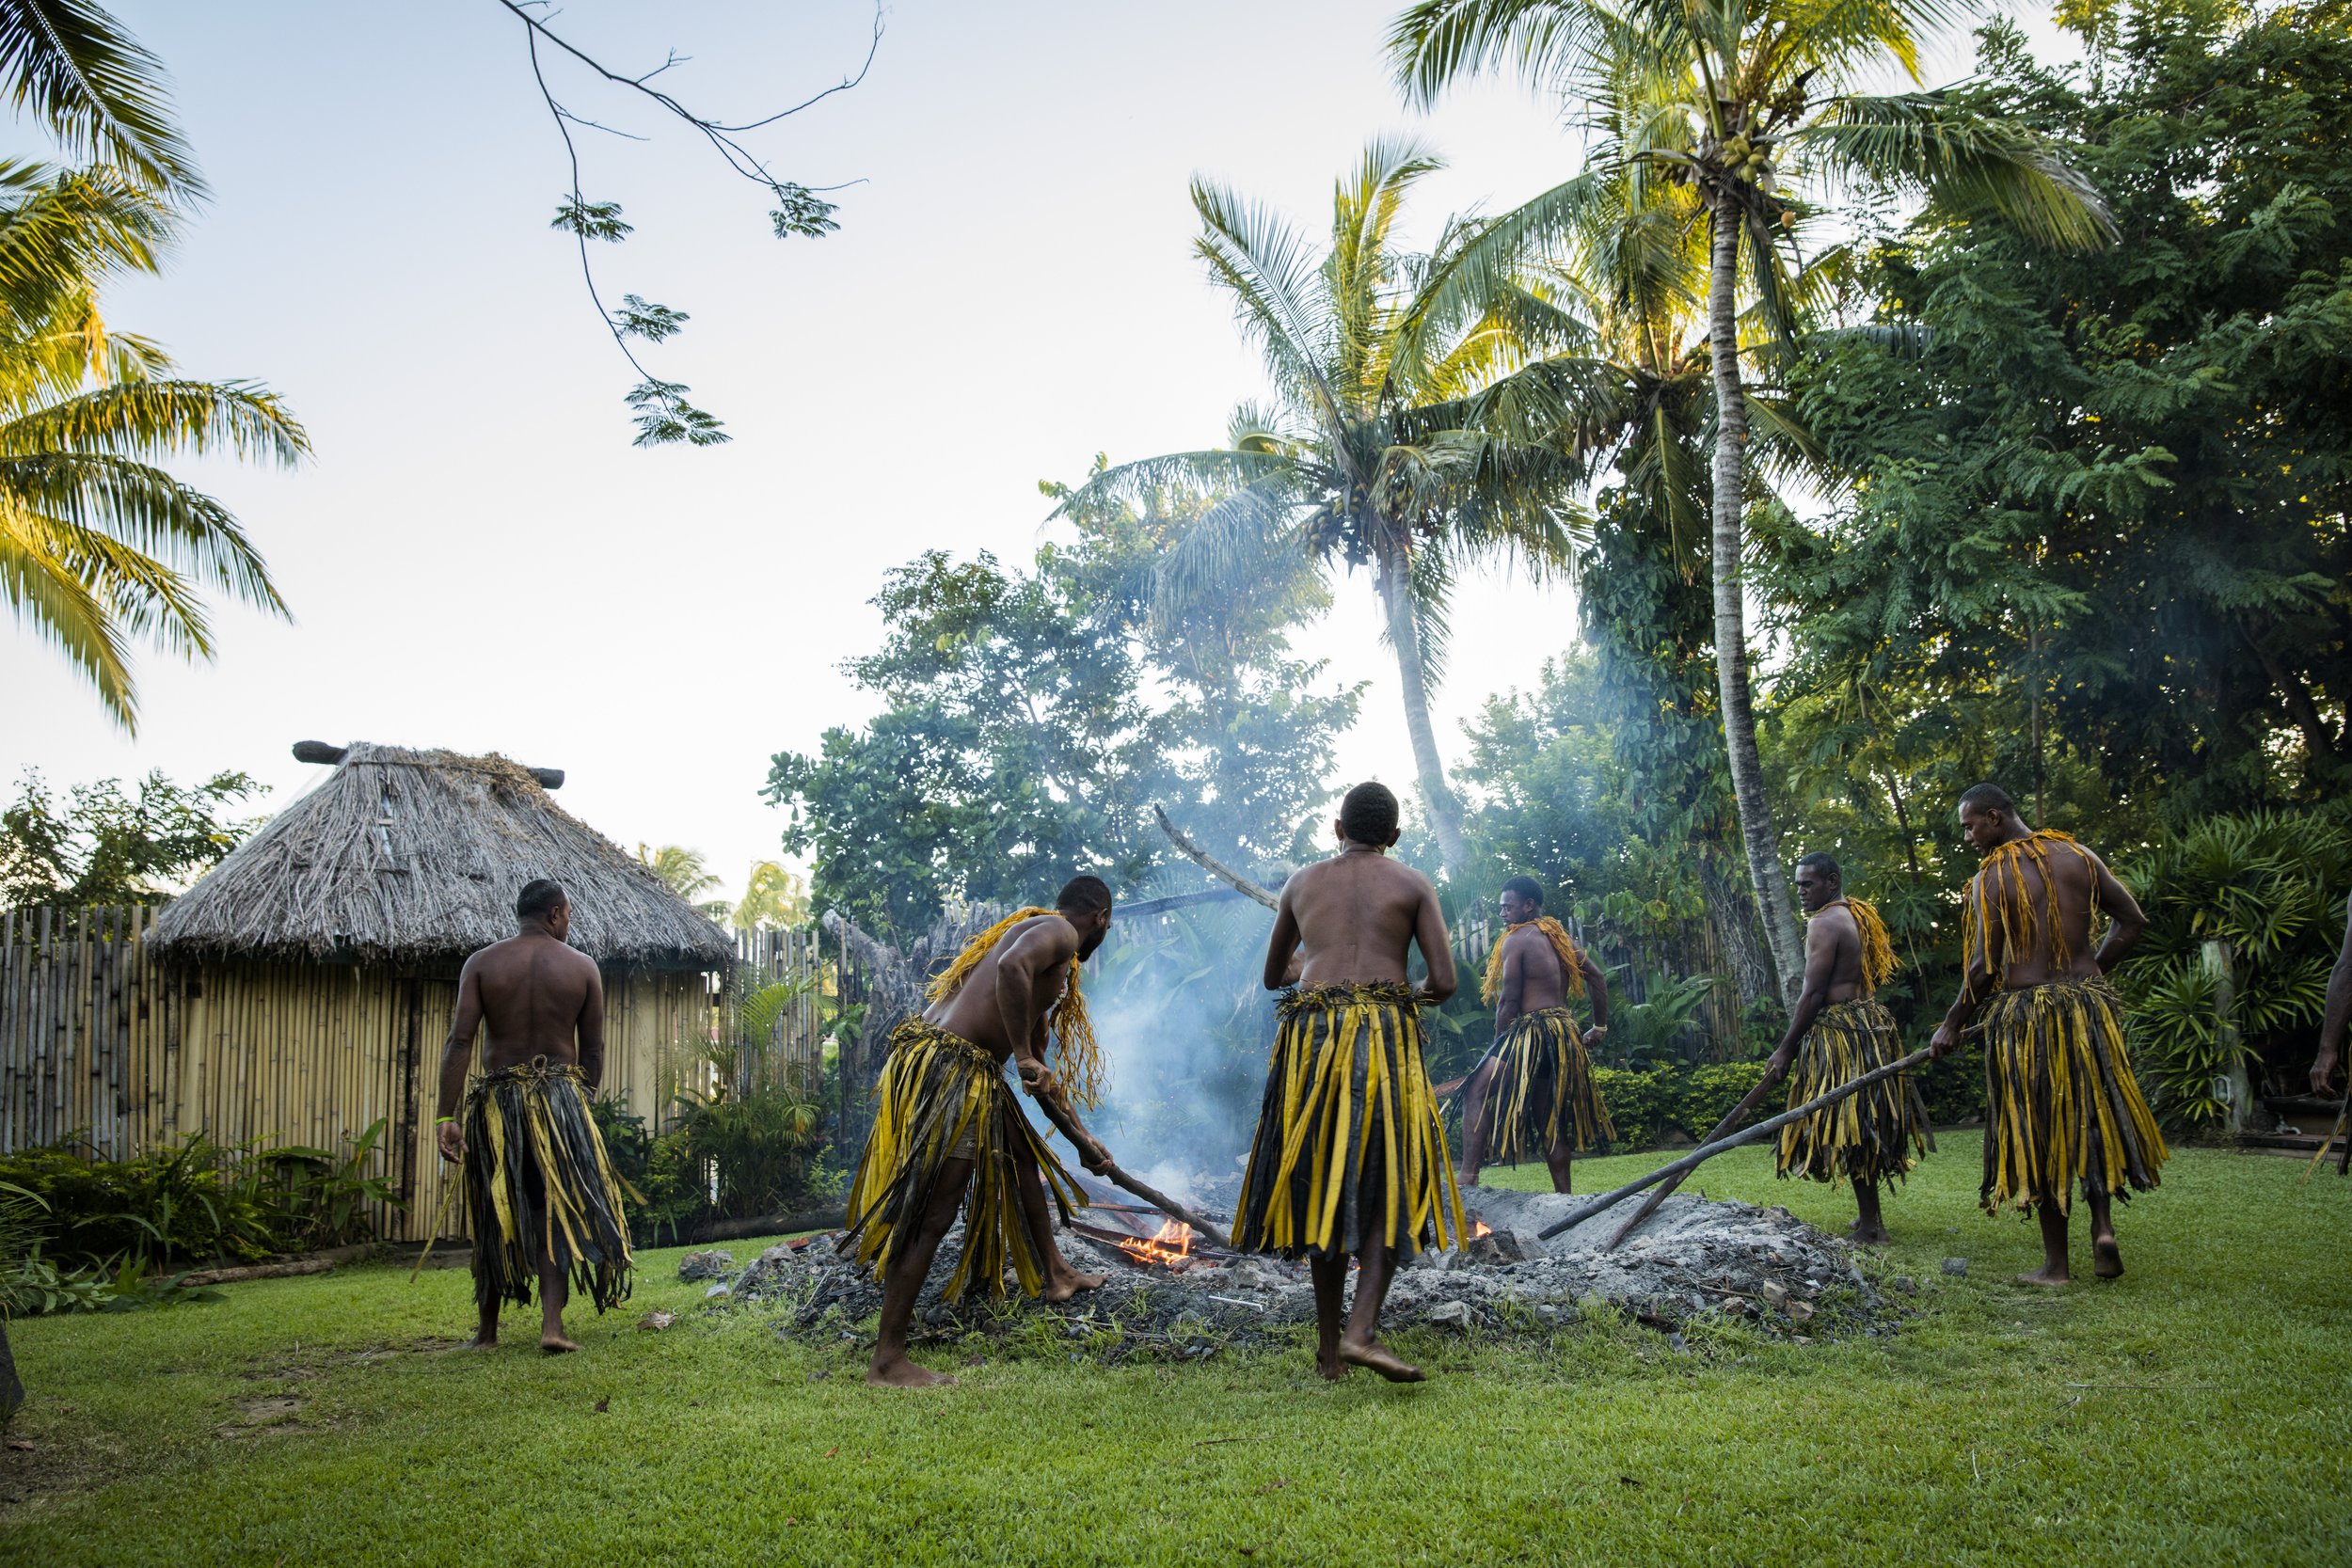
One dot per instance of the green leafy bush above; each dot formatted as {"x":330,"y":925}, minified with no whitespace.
{"x":2251,"y":902}
{"x":198,"y":1201}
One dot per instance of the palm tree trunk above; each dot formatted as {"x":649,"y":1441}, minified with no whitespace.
{"x":1445,"y":812}
{"x":1731,"y":630}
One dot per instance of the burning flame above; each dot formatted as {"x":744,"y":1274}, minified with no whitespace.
{"x":1171,"y":1247}
{"x":1480,"y":1227}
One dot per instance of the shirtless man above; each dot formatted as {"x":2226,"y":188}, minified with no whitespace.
{"x":2061,"y":1105}
{"x":946,"y":1116}
{"x":1326,"y":1179}
{"x":1838,"y":1032}
{"x":1534,"y":1090}
{"x":543,"y":1003}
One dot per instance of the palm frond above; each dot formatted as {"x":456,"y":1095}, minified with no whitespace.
{"x":1969,"y":163}
{"x":1278,"y":291}
{"x":74,"y":67}
{"x":1435,"y":43}
{"x":148,"y":512}
{"x":63,"y":230}
{"x":241,"y":418}
{"x":46,"y":593}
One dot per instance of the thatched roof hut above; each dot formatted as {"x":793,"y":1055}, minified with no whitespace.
{"x":409,"y":857}
{"x":301,"y":992}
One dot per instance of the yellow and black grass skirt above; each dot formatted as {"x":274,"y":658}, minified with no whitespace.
{"x":539,"y":1186}
{"x":1543,"y":1093}
{"x":1871,"y":1136}
{"x":1349,"y":1146}
{"x":941,"y":1095}
{"x":2061,"y":1103}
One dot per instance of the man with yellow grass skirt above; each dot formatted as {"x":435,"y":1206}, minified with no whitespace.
{"x":2061,"y":1105}
{"x":1838,"y":1032}
{"x":1534,"y":1090}
{"x":1349,"y":1156}
{"x":541,"y":1198}
{"x":945,"y":1121}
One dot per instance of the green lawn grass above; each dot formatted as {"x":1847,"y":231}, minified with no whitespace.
{"x":2195,"y":1412}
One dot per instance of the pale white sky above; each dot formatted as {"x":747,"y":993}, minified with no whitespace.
{"x":479,"y":559}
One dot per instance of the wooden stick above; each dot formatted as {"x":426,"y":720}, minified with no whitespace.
{"x":1748,"y":1135}
{"x":1209,"y":864}
{"x":1111,"y":1173}
{"x":2330,"y":1141}
{"x":1739,"y":1114}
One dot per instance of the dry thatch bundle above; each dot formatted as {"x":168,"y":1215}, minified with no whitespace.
{"x":407,"y":857}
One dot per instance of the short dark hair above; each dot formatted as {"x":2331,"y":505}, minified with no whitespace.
{"x":1822,"y":860}
{"x":1527,"y":888}
{"x":1988,"y":797}
{"x":1368,"y":814}
{"x":1085,"y":895}
{"x":540,"y":895}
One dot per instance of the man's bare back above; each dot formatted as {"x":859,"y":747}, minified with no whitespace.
{"x":1542,"y":974}
{"x":538,"y":997}
{"x":2074,"y":876}
{"x":1354,"y":919}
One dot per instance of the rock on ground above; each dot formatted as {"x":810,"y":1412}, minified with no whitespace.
{"x":713,"y":1263}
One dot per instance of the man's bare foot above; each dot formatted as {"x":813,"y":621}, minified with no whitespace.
{"x":1068,"y":1283}
{"x":2049,"y":1274}
{"x":1330,"y":1367}
{"x":1465,"y":1178}
{"x":482,"y":1341}
{"x":2106,"y":1258}
{"x":1379,"y":1358}
{"x":903,"y":1374}
{"x":1868,"y":1235}
{"x":554,"y":1343}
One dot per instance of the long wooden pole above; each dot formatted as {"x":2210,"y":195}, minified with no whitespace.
{"x":1748,"y":1135}
{"x":1665,"y":1190}
{"x":1211,"y":865}
{"x":2328,"y":1141}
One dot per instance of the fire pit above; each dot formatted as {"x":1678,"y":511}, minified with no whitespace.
{"x":1171,"y":1295}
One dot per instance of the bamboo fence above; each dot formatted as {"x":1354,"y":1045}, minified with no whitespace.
{"x":103,"y":1043}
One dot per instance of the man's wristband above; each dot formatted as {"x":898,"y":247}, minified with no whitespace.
{"x":438,"y":1120}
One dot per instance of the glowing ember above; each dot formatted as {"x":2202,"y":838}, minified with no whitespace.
{"x":1480,"y":1227}
{"x":1170,"y":1246}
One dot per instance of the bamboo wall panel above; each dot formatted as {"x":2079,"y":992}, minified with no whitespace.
{"x":102,"y":1042}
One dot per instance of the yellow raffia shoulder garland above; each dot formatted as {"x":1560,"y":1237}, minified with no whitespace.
{"x":1998,"y":919}
{"x":1878,"y":948}
{"x":1562,"y":943}
{"x":1080,"y":1069}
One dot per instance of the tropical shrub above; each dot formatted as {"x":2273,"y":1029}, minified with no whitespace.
{"x":198,"y":1201}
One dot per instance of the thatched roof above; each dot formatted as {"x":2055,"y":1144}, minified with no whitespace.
{"x":402,"y":856}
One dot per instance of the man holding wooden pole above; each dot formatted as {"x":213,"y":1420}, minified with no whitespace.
{"x":1840,"y":1031}
{"x":1350,"y":1156}
{"x":945,"y":1121}
{"x":2061,"y":1105}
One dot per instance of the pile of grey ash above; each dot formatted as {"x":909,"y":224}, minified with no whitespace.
{"x":1176,"y":1297}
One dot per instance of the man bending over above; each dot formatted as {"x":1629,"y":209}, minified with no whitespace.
{"x":945,"y":1122}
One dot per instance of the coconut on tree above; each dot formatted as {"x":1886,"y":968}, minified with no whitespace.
{"x":1748,"y":103}
{"x":1411,"y":432}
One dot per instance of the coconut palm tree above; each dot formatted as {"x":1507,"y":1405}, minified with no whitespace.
{"x":1409,"y":434}
{"x":98,"y":545}
{"x":1745,"y":103}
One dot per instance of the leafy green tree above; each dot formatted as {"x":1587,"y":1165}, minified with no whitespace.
{"x":1406,"y":436}
{"x":1032,"y":718}
{"x":2101,"y":504}
{"x":1746,"y":103}
{"x":774,"y":898}
{"x":108,"y":845}
{"x":687,"y":874}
